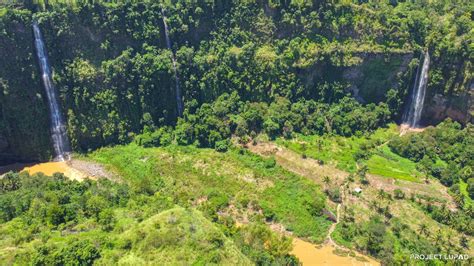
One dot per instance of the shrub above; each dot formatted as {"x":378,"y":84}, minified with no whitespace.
{"x":270,"y":163}
{"x":222,"y":146}
{"x":334,"y":194}
{"x":398,"y":194}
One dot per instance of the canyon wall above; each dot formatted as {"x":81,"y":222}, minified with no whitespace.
{"x":115,"y":75}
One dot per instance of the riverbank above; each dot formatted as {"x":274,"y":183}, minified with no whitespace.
{"x":311,"y":254}
{"x":73,"y":169}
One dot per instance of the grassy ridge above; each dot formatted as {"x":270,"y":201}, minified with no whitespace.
{"x":180,"y":236}
{"x":174,"y":204}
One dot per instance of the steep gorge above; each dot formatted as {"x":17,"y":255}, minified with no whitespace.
{"x":111,"y":63}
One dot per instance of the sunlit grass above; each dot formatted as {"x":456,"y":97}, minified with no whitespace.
{"x":388,"y":164}
{"x":341,"y":152}
{"x":185,"y":174}
{"x":463,"y":188}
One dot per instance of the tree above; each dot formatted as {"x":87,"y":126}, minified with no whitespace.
{"x":95,"y":205}
{"x":376,"y":232}
{"x":423,"y":229}
{"x":381,"y":194}
{"x":374,"y":204}
{"x":222,"y":146}
{"x":55,"y":214}
{"x":334,"y":194}
{"x":107,"y":219}
{"x":438,"y":237}
{"x":470,"y":187}
{"x":387,"y":212}
{"x":361,"y":172}
{"x":399,"y":194}
{"x":326,"y":180}
{"x":464,"y":242}
{"x":81,"y":251}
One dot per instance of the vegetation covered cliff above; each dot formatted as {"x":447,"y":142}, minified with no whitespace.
{"x":115,"y":76}
{"x":288,"y":131}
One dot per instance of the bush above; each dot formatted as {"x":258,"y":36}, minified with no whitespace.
{"x":470,"y":187}
{"x":334,"y":194}
{"x":161,"y":137}
{"x":270,"y":163}
{"x":222,"y":146}
{"x":398,"y":194}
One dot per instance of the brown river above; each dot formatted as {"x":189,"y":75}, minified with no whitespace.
{"x":307,"y":253}
{"x":310,"y":254}
{"x":48,"y":168}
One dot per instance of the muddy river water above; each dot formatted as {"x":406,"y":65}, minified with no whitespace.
{"x":48,"y":168}
{"x":307,"y":253}
{"x":310,"y":254}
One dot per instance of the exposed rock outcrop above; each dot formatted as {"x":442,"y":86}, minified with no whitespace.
{"x":370,"y":80}
{"x":459,"y":108}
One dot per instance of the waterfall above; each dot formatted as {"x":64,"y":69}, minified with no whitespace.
{"x":413,"y":113}
{"x":179,"y":100}
{"x":58,"y":129}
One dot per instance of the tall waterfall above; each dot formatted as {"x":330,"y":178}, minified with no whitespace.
{"x":58,"y":129}
{"x":179,"y":100}
{"x":413,"y":113}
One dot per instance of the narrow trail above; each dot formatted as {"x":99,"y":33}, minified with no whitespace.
{"x":333,"y":227}
{"x":329,"y":239}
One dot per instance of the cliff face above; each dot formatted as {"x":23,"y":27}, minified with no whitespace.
{"x":114,"y":72}
{"x":24,"y":123}
{"x":378,"y":73}
{"x":459,"y":108}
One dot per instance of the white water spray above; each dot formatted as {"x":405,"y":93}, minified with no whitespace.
{"x":179,"y":100}
{"x":58,"y":129}
{"x":413,"y":114}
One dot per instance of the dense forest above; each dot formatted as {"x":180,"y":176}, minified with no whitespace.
{"x":324,"y":81}
{"x":110,"y":62}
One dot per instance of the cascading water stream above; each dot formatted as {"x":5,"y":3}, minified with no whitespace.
{"x":413,"y":114}
{"x":179,"y":100}
{"x":59,"y":137}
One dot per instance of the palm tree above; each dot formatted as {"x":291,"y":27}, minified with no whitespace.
{"x":423,"y":229}
{"x":326,"y":180}
{"x":374,"y":204}
{"x":381,"y":194}
{"x":387,"y":212}
{"x":450,"y":244}
{"x":438,"y":237}
{"x":464,"y":242}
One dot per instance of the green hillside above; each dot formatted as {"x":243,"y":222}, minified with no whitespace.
{"x":217,"y":132}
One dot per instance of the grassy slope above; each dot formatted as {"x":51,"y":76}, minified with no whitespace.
{"x":233,"y":182}
{"x":404,"y":211}
{"x":170,"y":237}
{"x":463,"y":188}
{"x":179,"y":236}
{"x":386,"y":163}
{"x":340,"y":152}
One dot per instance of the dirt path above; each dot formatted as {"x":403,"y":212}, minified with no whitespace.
{"x":311,"y":169}
{"x":333,"y":227}
{"x":309,"y":254}
{"x":338,"y":219}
